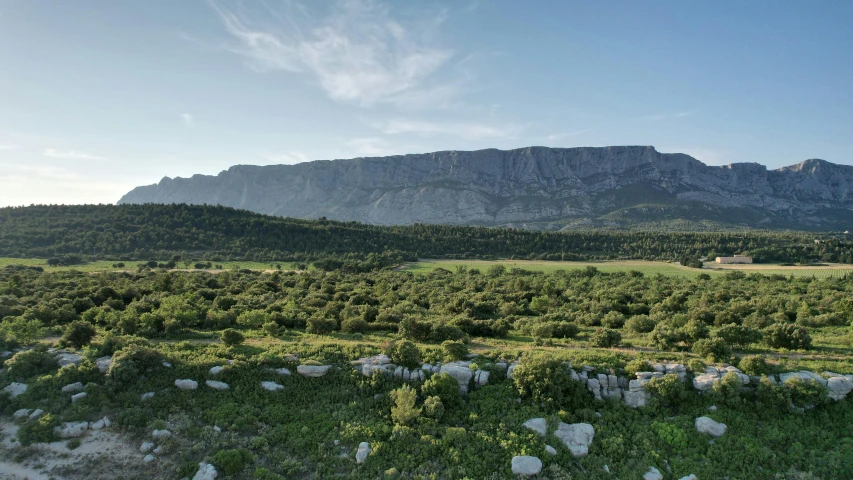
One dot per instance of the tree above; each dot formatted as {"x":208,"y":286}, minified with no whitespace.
{"x":605,"y":337}
{"x":787,"y":335}
{"x":669,"y":390}
{"x":737,"y":335}
{"x":404,"y":412}
{"x":547,"y":380}
{"x":444,"y":387}
{"x":405,"y":353}
{"x":231,"y":337}
{"x":78,"y":333}
{"x":454,"y":349}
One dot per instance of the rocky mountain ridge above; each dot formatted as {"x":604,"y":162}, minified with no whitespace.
{"x":535,"y":187}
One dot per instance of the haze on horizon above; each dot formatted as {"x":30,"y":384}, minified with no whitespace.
{"x":99,"y":97}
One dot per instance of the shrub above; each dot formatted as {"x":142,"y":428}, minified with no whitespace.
{"x":130,"y":363}
{"x":433,"y":407}
{"x":405,"y":353}
{"x":787,"y":335}
{"x":413,"y":329}
{"x":605,"y":337}
{"x":455,"y":350}
{"x":728,"y":389}
{"x":354,"y":325}
{"x":38,"y":430}
{"x":565,"y":330}
{"x":253,"y":319}
{"x":637,"y":365}
{"x":669,"y":390}
{"x":770,"y":397}
{"x":404,"y":412}
{"x":78,"y":333}
{"x":320,"y":326}
{"x":444,"y":387}
{"x":613,"y":319}
{"x":754,"y":365}
{"x":20,"y":330}
{"x":640,"y":324}
{"x":443,"y":331}
{"x":271,"y":329}
{"x":29,"y":363}
{"x":230,"y":462}
{"x":548,"y":381}
{"x":806,"y":393}
{"x":693,"y":331}
{"x":665,"y":337}
{"x":714,"y":349}
{"x":737,"y":335}
{"x":231,"y":337}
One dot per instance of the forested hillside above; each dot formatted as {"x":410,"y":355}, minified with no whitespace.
{"x":214,"y":232}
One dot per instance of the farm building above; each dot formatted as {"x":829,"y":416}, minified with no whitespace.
{"x":735,"y":259}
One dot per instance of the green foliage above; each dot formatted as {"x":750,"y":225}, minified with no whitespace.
{"x":640,"y":324}
{"x":738,"y":336}
{"x":605,"y":337}
{"x":20,"y":331}
{"x":405,"y":353}
{"x":637,"y":365}
{"x":728,"y":390}
{"x":271,"y":329}
{"x":665,"y":337}
{"x":548,"y":381}
{"x":39,"y":430}
{"x":29,"y":363}
{"x":806,"y":393}
{"x":433,"y":407}
{"x":671,"y":435}
{"x":713,"y":349}
{"x":696,"y":366}
{"x":754,"y":365}
{"x":78,"y":333}
{"x":354,"y":325}
{"x":231,"y":337}
{"x":787,"y":335}
{"x":770,"y":397}
{"x":444,"y":387}
{"x":669,"y":390}
{"x":454,"y":350}
{"x":404,"y":412}
{"x":320,"y":325}
{"x":131,"y":363}
{"x":232,"y":461}
{"x":253,"y":319}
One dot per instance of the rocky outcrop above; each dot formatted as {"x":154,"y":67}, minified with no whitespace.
{"x":103,"y":363}
{"x":577,"y":437}
{"x":538,"y":425}
{"x":526,"y":187}
{"x":186,"y":384}
{"x":653,"y":474}
{"x":14,"y":389}
{"x":71,"y":429}
{"x":362,"y":452}
{"x":526,"y":466}
{"x":272,"y":386}
{"x":710,"y":426}
{"x":73,"y":388}
{"x":64,"y":359}
{"x":312,"y":370}
{"x":216,"y":385}
{"x":205,"y":471}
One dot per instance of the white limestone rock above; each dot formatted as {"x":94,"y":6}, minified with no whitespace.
{"x":577,"y":437}
{"x":481,"y":377}
{"x":839,"y":386}
{"x":14,"y":389}
{"x":653,"y":474}
{"x":803,"y":375}
{"x":362,"y":452}
{"x":103,"y":363}
{"x":217,"y":385}
{"x":510,"y":368}
{"x":73,"y":388}
{"x":689,"y":477}
{"x":705,"y":382}
{"x":77,"y":397}
{"x":149,"y":458}
{"x":146,"y":447}
{"x":526,"y":465}
{"x":161,"y":434}
{"x":282,"y":371}
{"x":186,"y":384}
{"x":146,"y":396}
{"x":22,"y":413}
{"x":205,"y":471}
{"x":71,"y":429}
{"x":313,"y":370}
{"x":461,"y":372}
{"x":167,"y":364}
{"x":97,"y":425}
{"x":709,"y":426}
{"x":272,"y":386}
{"x":36,"y":413}
{"x":551,"y":450}
{"x":215,"y":370}
{"x":538,"y":425}
{"x":65,"y":359}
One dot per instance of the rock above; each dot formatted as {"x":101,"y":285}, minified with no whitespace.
{"x":538,"y":425}
{"x":36,"y":413}
{"x":689,"y":477}
{"x":147,"y":395}
{"x":186,"y":384}
{"x":167,"y":364}
{"x":526,"y":465}
{"x":606,"y":469}
{"x":107,"y":421}
{"x":5,"y":354}
{"x":551,"y":450}
{"x":205,"y":471}
{"x":104,"y":363}
{"x":22,"y":413}
{"x":510,"y":368}
{"x":312,"y":370}
{"x":803,"y":375}
{"x":704,"y":382}
{"x":215,"y":370}
{"x":577,"y":437}
{"x":217,"y":385}
{"x":362,"y":452}
{"x":97,"y":425}
{"x":272,"y":386}
{"x":709,"y":426}
{"x":71,"y":429}
{"x":65,"y":359}
{"x":14,"y":389}
{"x":161,"y":434}
{"x":149,"y":458}
{"x":461,"y":372}
{"x":217,"y":429}
{"x":73,"y":388}
{"x":336,"y":442}
{"x":282,"y":371}
{"x":712,"y":408}
{"x":77,"y":397}
{"x":653,"y":474}
{"x":481,"y":377}
{"x":158,"y":450}
{"x":839,"y":387}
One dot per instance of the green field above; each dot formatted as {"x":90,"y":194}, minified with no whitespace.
{"x":131,"y":265}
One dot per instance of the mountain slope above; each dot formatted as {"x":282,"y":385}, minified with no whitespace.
{"x":534,"y":187}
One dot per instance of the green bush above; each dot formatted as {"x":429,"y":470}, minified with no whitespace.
{"x":714,"y":349}
{"x":548,"y":380}
{"x":728,"y":390}
{"x":29,"y":363}
{"x":404,"y":412}
{"x":443,"y":386}
{"x":78,"y":333}
{"x":433,"y":407}
{"x":669,"y":390}
{"x":320,"y":325}
{"x":787,"y":335}
{"x":354,"y":325}
{"x":640,"y":324}
{"x":565,"y":330}
{"x":613,"y":319}
{"x":665,"y":337}
{"x":455,"y":350}
{"x":806,"y":393}
{"x":253,"y":319}
{"x":271,"y":329}
{"x":737,"y":335}
{"x":233,"y":461}
{"x":39,"y":430}
{"x":605,"y":337}
{"x":231,"y":337}
{"x":405,"y":353}
{"x":131,"y":363}
{"x":696,"y":366}
{"x":20,"y":331}
{"x":637,"y":365}
{"x":754,"y":365}
{"x":771,"y":398}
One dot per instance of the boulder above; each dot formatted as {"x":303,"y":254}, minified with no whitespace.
{"x":77,"y":397}
{"x":186,"y":384}
{"x":158,"y":450}
{"x":313,"y":370}
{"x":803,"y":375}
{"x":217,"y":385}
{"x":653,"y":474}
{"x":161,"y":434}
{"x":526,"y":465}
{"x":64,"y":359}
{"x":103,"y":363}
{"x":14,"y":389}
{"x":636,"y":396}
{"x":71,"y":429}
{"x":282,"y":371}
{"x":146,"y":447}
{"x":205,"y":471}
{"x":577,"y":437}
{"x":167,"y":364}
{"x":362,"y":452}
{"x":538,"y":425}
{"x":215,"y":370}
{"x":73,"y":388}
{"x":97,"y":425}
{"x":22,"y":413}
{"x":36,"y":413}
{"x":551,"y":450}
{"x":147,"y":395}
{"x":149,"y":458}
{"x":839,"y":387}
{"x":709,"y":426}
{"x":705,"y":382}
{"x":689,"y":477}
{"x":107,"y":421}
{"x":481,"y":377}
{"x":461,"y":372}
{"x":272,"y":386}
{"x":510,"y":368}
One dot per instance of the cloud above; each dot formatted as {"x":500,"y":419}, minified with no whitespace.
{"x":358,"y":53}
{"x":667,"y":116}
{"x":560,"y":136}
{"x":371,"y":147}
{"x":471,"y":131}
{"x":188,"y":119}
{"x":22,"y":184}
{"x":288,"y":158}
{"x":8,"y":147}
{"x":70,"y":155}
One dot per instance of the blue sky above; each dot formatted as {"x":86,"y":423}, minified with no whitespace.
{"x":97,"y":97}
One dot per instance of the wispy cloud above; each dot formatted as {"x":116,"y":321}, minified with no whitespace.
{"x":288,"y":158}
{"x":359,"y":53}
{"x":667,"y":116}
{"x":8,"y":147}
{"x":187,"y":118}
{"x":371,"y":147}
{"x":559,"y":136}
{"x":71,"y":155}
{"x":471,"y":131}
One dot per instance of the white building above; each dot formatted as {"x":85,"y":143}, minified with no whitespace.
{"x":735,"y":259}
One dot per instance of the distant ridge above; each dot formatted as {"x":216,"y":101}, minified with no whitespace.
{"x":534,"y":187}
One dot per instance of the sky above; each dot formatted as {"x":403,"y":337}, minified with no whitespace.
{"x":97,"y":97}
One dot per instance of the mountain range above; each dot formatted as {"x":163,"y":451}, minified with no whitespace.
{"x":534,"y":187}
